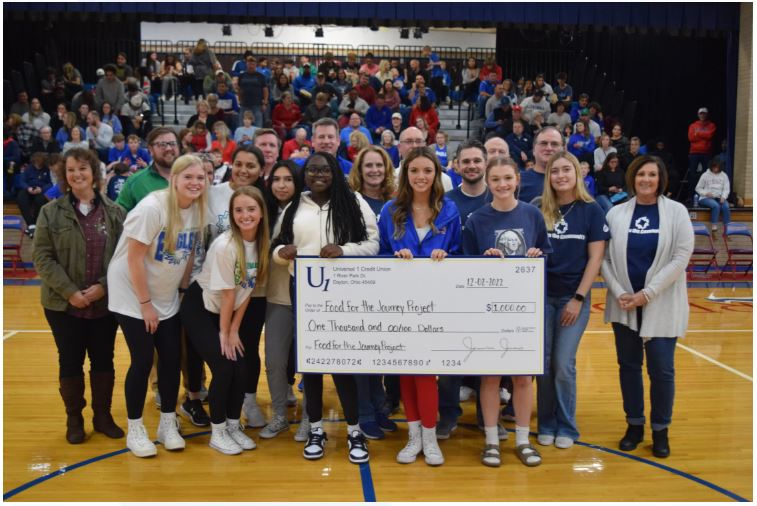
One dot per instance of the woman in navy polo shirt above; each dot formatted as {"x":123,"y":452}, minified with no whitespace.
{"x":578,"y":231}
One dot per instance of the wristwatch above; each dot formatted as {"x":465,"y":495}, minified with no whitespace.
{"x":578,"y":297}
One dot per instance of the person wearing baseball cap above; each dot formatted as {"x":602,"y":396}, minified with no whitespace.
{"x":500,"y":119}
{"x":701,"y":133}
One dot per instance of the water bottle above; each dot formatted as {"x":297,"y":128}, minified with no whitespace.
{"x":696,"y":200}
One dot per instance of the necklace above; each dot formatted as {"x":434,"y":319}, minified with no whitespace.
{"x":561,"y":215}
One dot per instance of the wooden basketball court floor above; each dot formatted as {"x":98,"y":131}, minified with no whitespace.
{"x":711,"y":434}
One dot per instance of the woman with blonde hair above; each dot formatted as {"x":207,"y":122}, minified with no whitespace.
{"x":203,"y":60}
{"x":214,"y":307}
{"x":223,"y":141}
{"x":152,"y":261}
{"x":577,"y":230}
{"x":384,"y":71}
{"x":357,"y":141}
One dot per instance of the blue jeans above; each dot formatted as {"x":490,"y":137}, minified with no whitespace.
{"x":449,"y":397}
{"x":370,"y":396}
{"x":715,"y":208}
{"x":257,"y":113}
{"x":556,"y":393}
{"x":604,"y":202}
{"x":693,"y":174}
{"x":660,"y":368}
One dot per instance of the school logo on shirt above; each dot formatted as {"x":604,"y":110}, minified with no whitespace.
{"x":560,"y":232}
{"x":641,"y":226}
{"x":184,"y":244}
{"x":561,"y":227}
{"x":511,"y":242}
{"x":252,"y":274}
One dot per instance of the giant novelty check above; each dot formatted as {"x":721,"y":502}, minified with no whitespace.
{"x":381,"y":315}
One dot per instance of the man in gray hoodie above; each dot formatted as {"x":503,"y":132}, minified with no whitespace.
{"x":109,"y":89}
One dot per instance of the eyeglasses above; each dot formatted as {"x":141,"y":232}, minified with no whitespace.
{"x":414,"y":142}
{"x":315,"y":170}
{"x":544,"y":144}
{"x":164,"y":145}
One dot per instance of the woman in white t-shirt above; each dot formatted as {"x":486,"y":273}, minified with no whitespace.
{"x":247,"y":164}
{"x":152,"y":259}
{"x":215,"y":305}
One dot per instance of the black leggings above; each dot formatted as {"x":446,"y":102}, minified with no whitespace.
{"x":76,"y":337}
{"x":345,"y":388}
{"x":226,"y":392}
{"x":249,"y":332}
{"x":167,"y":341}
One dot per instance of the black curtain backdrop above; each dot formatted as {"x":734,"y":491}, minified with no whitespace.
{"x":668,"y":76}
{"x":94,"y":43}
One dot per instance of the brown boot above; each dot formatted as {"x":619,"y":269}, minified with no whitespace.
{"x":72,"y":392}
{"x":101,"y":384}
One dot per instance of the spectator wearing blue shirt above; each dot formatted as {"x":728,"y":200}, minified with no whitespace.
{"x":419,"y":89}
{"x":581,"y":144}
{"x":378,"y":118}
{"x":326,"y":139}
{"x":563,"y":90}
{"x":116,"y":182}
{"x":135,"y":156}
{"x":240,"y":66}
{"x":547,"y":142}
{"x":229,"y":103}
{"x":35,"y":181}
{"x":520,"y":143}
{"x":303,"y":86}
{"x":119,"y":146}
{"x":354,"y":124}
{"x":486,"y":90}
{"x":575,"y":109}
{"x":387,"y":142}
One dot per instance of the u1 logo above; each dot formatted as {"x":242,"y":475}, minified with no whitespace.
{"x":323,"y":281}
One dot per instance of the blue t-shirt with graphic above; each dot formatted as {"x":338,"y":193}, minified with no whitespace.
{"x":643,"y":236}
{"x":512,"y":232}
{"x":467,"y":205}
{"x":582,"y":223}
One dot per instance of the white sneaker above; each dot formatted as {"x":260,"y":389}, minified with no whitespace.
{"x":291,"y":398}
{"x":414,"y":445}
{"x":563,"y":442}
{"x":277,"y":425}
{"x":137,"y":440}
{"x":235,"y":430}
{"x":303,"y":431}
{"x":221,"y":440}
{"x":504,"y":396}
{"x":466,"y":393}
{"x":168,"y":432}
{"x":253,"y":413}
{"x":545,"y":439}
{"x":431,"y":448}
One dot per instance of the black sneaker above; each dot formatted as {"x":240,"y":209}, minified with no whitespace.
{"x":193,"y":410}
{"x":358,"y":447}
{"x":314,"y":447}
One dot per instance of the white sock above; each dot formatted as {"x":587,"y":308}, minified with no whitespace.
{"x":216,"y":427}
{"x":521,"y":436}
{"x":414,"y":424}
{"x":136,"y":422}
{"x":167,"y":417}
{"x":351,"y":428}
{"x":250,"y":398}
{"x":230,"y":422}
{"x":492,"y":435}
{"x":316,"y":425}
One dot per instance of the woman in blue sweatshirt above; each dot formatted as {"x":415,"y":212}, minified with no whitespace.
{"x":420,"y":222}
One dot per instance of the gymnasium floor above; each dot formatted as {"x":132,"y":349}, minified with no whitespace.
{"x":711,"y":435}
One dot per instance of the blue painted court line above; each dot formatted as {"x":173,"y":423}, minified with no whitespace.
{"x":369,"y":493}
{"x":21,"y":282}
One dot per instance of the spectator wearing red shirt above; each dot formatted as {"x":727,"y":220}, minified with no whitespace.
{"x":286,"y":116}
{"x":295,"y":143}
{"x":365,"y":90}
{"x":425,"y":110}
{"x":490,"y":65}
{"x":701,"y":133}
{"x":223,"y":141}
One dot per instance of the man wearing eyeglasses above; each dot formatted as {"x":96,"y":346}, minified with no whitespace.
{"x":411,"y":138}
{"x":547,"y":142}
{"x":163,"y":145}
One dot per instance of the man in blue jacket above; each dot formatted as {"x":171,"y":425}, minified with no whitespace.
{"x":378,"y":118}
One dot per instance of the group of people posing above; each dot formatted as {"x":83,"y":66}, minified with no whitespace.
{"x":193,"y":271}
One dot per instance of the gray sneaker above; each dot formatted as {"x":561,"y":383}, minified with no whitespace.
{"x":277,"y":425}
{"x":445,"y":428}
{"x":303,"y":431}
